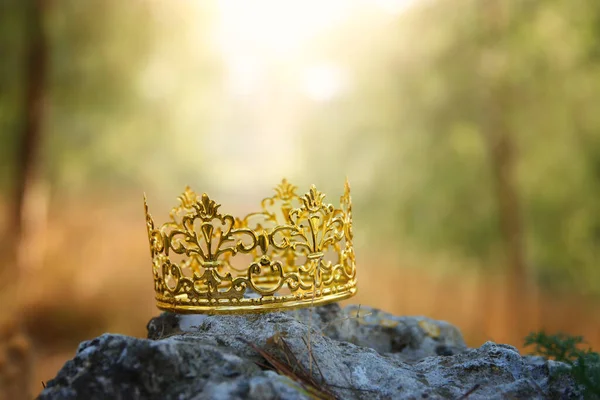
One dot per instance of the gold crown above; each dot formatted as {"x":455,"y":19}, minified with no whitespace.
{"x":295,"y":252}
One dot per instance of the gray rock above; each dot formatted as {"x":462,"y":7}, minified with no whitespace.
{"x":364,"y":354}
{"x":410,"y":338}
{"x":178,"y":367}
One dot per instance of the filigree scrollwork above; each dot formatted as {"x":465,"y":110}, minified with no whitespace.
{"x":289,"y":240}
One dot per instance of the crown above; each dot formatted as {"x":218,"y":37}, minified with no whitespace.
{"x":295,"y":252}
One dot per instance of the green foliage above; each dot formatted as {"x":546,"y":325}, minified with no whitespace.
{"x":559,"y":347}
{"x":585,"y":364}
{"x":127,"y":83}
{"x":415,"y":131}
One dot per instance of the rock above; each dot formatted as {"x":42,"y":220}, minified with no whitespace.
{"x":179,"y":367}
{"x":352,"y":354}
{"x":409,"y":338}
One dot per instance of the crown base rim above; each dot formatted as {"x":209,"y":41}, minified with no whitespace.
{"x":259,"y":308}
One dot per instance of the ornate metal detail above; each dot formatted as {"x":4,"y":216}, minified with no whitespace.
{"x":300,"y":247}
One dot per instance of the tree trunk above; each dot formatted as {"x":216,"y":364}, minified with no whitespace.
{"x":15,"y":350}
{"x":503,"y":163}
{"x":35,"y":76}
{"x":497,"y":102}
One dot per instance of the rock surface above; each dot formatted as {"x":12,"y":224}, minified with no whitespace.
{"x":356,"y":354}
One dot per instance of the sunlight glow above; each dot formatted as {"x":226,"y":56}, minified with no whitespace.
{"x":273,"y":27}
{"x":323,"y":82}
{"x":273,"y":62}
{"x":255,"y":35}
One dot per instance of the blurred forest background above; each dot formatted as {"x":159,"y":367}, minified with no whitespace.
{"x":469,"y":131}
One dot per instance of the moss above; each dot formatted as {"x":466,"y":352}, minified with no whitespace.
{"x":584,"y":363}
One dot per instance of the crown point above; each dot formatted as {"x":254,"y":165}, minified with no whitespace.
{"x":285,"y":190}
{"x":145,"y":203}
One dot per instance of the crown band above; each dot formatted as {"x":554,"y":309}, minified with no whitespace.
{"x":295,"y":252}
